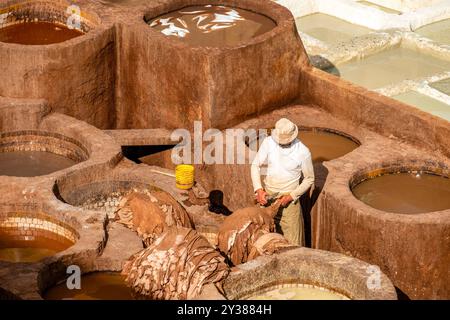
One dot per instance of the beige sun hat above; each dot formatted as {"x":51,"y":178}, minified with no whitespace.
{"x":285,"y":131}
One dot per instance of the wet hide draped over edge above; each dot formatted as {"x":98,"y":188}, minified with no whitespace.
{"x":175,"y":267}
{"x":151,"y":214}
{"x":268,"y":244}
{"x":241,"y":229}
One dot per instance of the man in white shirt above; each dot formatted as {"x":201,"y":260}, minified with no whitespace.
{"x":286,"y":159}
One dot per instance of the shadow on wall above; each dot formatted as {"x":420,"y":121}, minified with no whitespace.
{"x":159,"y":155}
{"x":216,"y":203}
{"x":6,"y":295}
{"x":324,"y":64}
{"x":309,"y":199}
{"x":401,"y":295}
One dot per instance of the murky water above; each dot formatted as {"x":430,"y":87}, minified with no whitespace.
{"x":37,"y":33}
{"x":443,"y":86}
{"x":299,"y":293}
{"x":30,"y":251}
{"x":32,"y":163}
{"x":213,"y":26}
{"x":438,"y":31}
{"x":326,"y":146}
{"x":376,"y":6}
{"x":329,"y":29}
{"x":390,"y":67}
{"x":94,"y":286}
{"x":425,"y":103}
{"x":406,"y":193}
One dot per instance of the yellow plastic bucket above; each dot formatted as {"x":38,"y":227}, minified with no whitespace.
{"x":184,"y":176}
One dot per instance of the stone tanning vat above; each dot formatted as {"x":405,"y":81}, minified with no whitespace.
{"x":213,"y":84}
{"x":74,"y":75}
{"x":123,"y":84}
{"x":336,"y":273}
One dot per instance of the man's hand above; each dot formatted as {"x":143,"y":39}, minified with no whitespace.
{"x":261,"y":197}
{"x":286,"y":200}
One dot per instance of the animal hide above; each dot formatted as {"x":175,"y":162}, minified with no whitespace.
{"x":176,"y":266}
{"x":151,"y":214}
{"x":268,"y":244}
{"x":241,"y":229}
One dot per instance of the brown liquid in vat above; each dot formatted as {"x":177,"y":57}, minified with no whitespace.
{"x":32,"y":163}
{"x":406,"y":193}
{"x":213,"y":26}
{"x":30,"y":251}
{"x":94,"y":286}
{"x":37,"y":33}
{"x":325,"y":146}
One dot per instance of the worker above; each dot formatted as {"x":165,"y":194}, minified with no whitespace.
{"x":287,"y":159}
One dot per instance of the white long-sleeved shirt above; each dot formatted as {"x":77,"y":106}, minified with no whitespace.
{"x":284,"y":168}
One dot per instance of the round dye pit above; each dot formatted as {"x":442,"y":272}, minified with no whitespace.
{"x":324,"y":144}
{"x":404,"y":192}
{"x":94,"y":286}
{"x":42,"y":23}
{"x":26,"y":237}
{"x":305,"y":274}
{"x":32,"y":163}
{"x":212,"y":25}
{"x":297,"y":292}
{"x":37,"y":33}
{"x":31,"y":154}
{"x":102,"y":195}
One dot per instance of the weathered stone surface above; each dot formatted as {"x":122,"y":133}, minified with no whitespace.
{"x":215,"y":85}
{"x":337,"y":272}
{"x":115,"y":77}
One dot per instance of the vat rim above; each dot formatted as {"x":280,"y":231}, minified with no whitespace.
{"x":393,"y":167}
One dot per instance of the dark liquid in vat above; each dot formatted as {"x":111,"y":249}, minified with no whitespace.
{"x":94,"y":286}
{"x":37,"y":33}
{"x":407,"y":193}
{"x":213,"y":26}
{"x":30,"y":251}
{"x":326,"y":146}
{"x":32,"y":163}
